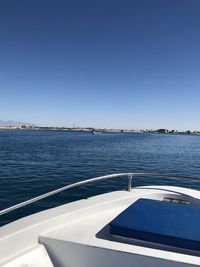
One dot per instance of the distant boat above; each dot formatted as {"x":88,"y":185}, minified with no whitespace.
{"x":94,"y":132}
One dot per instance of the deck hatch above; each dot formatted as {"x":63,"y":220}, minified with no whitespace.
{"x":166,"y":223}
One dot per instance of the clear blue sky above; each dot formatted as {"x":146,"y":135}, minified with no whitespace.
{"x":121,"y":64}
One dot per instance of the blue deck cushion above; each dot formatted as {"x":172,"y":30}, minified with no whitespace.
{"x":166,"y":223}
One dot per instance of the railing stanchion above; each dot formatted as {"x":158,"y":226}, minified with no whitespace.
{"x":130,"y":177}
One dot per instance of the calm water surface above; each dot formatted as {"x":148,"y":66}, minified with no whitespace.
{"x":35,"y":162}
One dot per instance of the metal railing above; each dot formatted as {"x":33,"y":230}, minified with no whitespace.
{"x":105,"y":177}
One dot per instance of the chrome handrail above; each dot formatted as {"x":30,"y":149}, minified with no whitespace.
{"x":105,"y":177}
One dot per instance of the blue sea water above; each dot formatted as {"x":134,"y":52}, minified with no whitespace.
{"x":35,"y":162}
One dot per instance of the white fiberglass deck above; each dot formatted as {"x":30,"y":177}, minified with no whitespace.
{"x":77,"y":234}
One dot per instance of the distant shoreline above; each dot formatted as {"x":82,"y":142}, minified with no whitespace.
{"x":96,"y":130}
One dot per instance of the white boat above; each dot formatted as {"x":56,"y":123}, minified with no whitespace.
{"x":155,"y":226}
